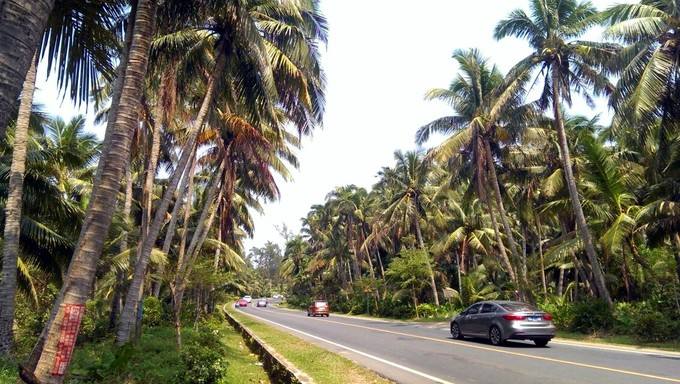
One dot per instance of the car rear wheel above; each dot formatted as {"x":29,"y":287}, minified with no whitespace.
{"x":495,"y":336}
{"x":308,"y":314}
{"x":541,"y":342}
{"x":455,"y":331}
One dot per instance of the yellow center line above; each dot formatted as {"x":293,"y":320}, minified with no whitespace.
{"x":473,"y":346}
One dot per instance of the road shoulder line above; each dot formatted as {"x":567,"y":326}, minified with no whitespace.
{"x":350,"y":349}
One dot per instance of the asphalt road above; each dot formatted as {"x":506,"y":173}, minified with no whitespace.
{"x":426,"y":353}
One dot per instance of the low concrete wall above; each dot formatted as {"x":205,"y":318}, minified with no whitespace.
{"x":279,"y":369}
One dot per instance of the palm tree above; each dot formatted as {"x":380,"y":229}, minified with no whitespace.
{"x":264,"y":68}
{"x":8,"y":283}
{"x":22,"y":23}
{"x":486,"y":105}
{"x":409,"y":179}
{"x":567,"y":64}
{"x":100,"y":212}
{"x":648,"y":67}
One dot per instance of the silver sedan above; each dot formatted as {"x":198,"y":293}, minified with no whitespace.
{"x":502,"y":320}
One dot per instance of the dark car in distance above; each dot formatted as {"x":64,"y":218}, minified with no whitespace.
{"x":318,"y":308}
{"x":499,"y":321}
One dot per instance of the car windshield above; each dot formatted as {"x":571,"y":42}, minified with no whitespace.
{"x":518,"y":307}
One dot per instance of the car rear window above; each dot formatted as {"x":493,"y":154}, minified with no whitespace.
{"x":320,"y":303}
{"x":518,"y":307}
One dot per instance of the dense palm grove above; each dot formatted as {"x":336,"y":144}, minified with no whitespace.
{"x":519,"y":199}
{"x":204,"y":103}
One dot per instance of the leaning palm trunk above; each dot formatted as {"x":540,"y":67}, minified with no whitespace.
{"x":499,"y":241}
{"x":421,"y":243}
{"x":598,"y":275}
{"x":184,"y":189}
{"x":21,"y":25}
{"x":29,"y":366}
{"x":8,"y":284}
{"x":116,"y":302}
{"x":185,"y":262}
{"x":499,"y":200}
{"x":78,"y":283}
{"x":136,"y":286}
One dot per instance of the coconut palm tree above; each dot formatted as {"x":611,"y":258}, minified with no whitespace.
{"x":567,"y":64}
{"x":409,"y":179}
{"x":22,"y":23}
{"x":77,"y":287}
{"x":648,"y":65}
{"x":263,"y":66}
{"x":486,"y":105}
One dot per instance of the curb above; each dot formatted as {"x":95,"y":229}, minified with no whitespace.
{"x":278,"y":368}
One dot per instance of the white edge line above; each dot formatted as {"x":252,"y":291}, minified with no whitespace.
{"x":395,"y":365}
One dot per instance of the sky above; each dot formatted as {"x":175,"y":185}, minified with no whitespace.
{"x":382,"y":56}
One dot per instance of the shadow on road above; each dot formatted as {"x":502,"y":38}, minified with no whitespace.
{"x":508,"y":344}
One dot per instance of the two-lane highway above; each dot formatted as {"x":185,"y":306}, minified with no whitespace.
{"x":425,"y":353}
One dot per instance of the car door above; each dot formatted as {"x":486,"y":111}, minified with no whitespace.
{"x":485,"y":318}
{"x":467,"y":323}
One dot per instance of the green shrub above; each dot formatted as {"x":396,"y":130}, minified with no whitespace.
{"x":203,"y":360}
{"x":153,"y":312}
{"x":562,"y":312}
{"x":427,"y":311}
{"x":591,"y":316}
{"x":653,"y":326}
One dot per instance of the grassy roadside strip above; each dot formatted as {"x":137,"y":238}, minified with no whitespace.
{"x":153,"y":360}
{"x":321,"y":365}
{"x":597,"y":339}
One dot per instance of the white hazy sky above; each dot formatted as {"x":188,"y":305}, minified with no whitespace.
{"x":381,"y":58}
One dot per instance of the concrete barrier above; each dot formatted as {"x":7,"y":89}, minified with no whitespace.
{"x":277,"y":367}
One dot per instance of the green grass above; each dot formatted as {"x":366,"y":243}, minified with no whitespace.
{"x":624,"y":340}
{"x":153,"y":360}
{"x":321,"y":365}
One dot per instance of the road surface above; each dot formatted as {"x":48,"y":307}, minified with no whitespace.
{"x":426,"y":353}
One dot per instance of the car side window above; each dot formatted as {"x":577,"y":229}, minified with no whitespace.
{"x":489,"y":308}
{"x":473,"y":310}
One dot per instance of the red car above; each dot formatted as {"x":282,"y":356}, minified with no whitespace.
{"x":242,"y":303}
{"x":318,"y":308}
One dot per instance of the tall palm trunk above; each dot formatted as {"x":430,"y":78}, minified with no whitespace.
{"x":421,"y":243}
{"x":21,"y":26}
{"x":78,"y":284}
{"x":29,"y":366}
{"x":540,"y":253}
{"x":499,"y":199}
{"x":150,"y":171}
{"x":116,"y":302}
{"x":184,"y":265}
{"x":8,"y":284}
{"x":499,"y":241}
{"x":598,"y":275}
{"x":185,"y":188}
{"x":135,"y":290}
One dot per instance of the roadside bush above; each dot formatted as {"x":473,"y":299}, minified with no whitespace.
{"x":592,"y":316}
{"x":153,"y":312}
{"x":653,"y":326}
{"x":203,"y":360}
{"x":427,"y":310}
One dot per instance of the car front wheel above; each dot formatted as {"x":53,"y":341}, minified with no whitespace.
{"x":495,"y":336}
{"x":455,"y":331}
